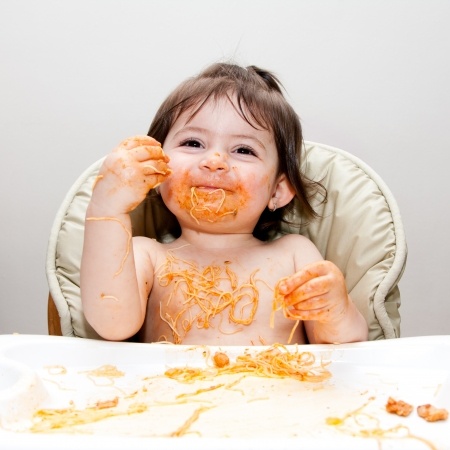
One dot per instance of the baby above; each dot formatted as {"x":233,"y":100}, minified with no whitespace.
{"x":229,"y":173}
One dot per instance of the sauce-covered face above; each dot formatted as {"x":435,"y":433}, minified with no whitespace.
{"x":224,"y":169}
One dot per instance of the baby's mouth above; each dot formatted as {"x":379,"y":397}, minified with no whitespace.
{"x":210,"y":188}
{"x":202,"y":196}
{"x":209,"y":203}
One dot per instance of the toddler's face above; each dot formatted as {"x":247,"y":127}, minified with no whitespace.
{"x":224,"y":169}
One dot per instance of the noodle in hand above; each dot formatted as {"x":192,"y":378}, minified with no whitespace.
{"x":278,"y":303}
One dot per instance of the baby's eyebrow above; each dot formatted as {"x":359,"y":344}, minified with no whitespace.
{"x":247,"y":136}
{"x":191,"y":129}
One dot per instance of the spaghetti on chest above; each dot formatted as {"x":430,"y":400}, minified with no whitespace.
{"x":205,"y":297}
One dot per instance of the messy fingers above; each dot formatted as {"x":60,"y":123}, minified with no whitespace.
{"x":309,"y":298}
{"x":320,"y":314}
{"x":138,"y":141}
{"x":312,"y":289}
{"x":147,"y":152}
{"x":156,"y":168}
{"x":304,"y":275}
{"x":155,"y":180}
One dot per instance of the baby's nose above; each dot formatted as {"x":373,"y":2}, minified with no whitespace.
{"x":215,"y":161}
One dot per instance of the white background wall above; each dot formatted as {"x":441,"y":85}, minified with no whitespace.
{"x":78,"y":76}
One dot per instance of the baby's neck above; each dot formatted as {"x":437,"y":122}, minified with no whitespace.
{"x":211,"y":241}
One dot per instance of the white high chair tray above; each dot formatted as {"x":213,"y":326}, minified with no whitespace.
{"x":346,"y":411}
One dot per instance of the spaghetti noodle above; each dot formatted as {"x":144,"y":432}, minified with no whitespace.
{"x":276,"y":361}
{"x":185,"y":427}
{"x":47,"y":420}
{"x":208,"y":205}
{"x":129,"y":237}
{"x":206,"y":293}
{"x":278,"y":304}
{"x":359,"y":423}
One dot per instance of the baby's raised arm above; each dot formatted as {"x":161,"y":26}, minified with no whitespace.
{"x":114,"y":298}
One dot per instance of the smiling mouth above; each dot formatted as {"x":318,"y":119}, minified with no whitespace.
{"x":208,"y":203}
{"x":207,"y":195}
{"x":210,"y":189}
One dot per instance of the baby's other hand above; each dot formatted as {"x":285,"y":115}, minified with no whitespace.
{"x":137,"y":165}
{"x":317,"y":292}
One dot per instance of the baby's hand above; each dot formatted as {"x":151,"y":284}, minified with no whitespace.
{"x":317,"y":292}
{"x":137,"y":165}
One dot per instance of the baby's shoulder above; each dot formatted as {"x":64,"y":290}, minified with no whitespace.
{"x":293,"y":240}
{"x":298,"y":246}
{"x":144,"y":241}
{"x":147,"y":246}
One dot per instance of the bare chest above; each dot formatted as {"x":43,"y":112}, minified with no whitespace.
{"x":218,"y":301}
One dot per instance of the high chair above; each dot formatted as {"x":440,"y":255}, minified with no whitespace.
{"x":360,"y":230}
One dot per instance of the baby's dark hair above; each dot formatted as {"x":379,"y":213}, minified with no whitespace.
{"x":257,"y":96}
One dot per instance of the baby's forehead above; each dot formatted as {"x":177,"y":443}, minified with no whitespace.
{"x":253,"y":115}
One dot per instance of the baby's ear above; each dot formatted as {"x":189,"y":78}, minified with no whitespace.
{"x":282,"y":194}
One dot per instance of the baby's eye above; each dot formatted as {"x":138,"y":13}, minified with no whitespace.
{"x":245,"y":151}
{"x":191,"y":143}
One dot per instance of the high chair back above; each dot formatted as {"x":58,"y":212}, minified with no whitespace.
{"x":360,"y":230}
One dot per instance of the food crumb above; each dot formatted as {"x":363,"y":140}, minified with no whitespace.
{"x":398,"y":407}
{"x":431,"y":413}
{"x":221,"y":359}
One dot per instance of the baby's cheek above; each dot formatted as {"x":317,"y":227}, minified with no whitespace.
{"x":174,"y":185}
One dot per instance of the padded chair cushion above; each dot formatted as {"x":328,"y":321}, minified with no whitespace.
{"x":360,"y":230}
